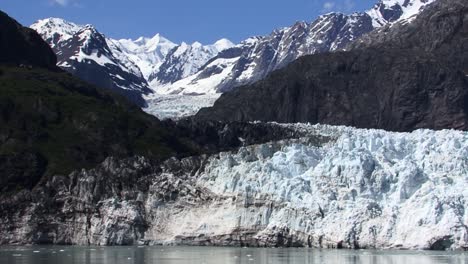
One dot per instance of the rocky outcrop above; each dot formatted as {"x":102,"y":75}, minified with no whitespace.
{"x":335,"y":187}
{"x":417,"y":80}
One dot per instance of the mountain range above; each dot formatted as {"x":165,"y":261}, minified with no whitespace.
{"x":255,"y":58}
{"x":125,"y":65}
{"x":140,"y":67}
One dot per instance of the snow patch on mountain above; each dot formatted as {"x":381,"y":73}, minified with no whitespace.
{"x":199,"y":83}
{"x":392,"y":11}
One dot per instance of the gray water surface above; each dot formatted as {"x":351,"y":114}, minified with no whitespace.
{"x":219,"y":255}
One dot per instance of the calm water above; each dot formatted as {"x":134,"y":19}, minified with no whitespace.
{"x":211,"y":255}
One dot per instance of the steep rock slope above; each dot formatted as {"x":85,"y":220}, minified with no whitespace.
{"x":335,"y":187}
{"x":89,"y":56}
{"x":417,"y":79}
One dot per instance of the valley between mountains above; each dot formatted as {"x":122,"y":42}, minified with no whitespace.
{"x":154,"y":72}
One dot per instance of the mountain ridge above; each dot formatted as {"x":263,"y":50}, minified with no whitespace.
{"x":256,"y":57}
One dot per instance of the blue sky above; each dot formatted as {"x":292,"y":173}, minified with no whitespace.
{"x":181,"y":20}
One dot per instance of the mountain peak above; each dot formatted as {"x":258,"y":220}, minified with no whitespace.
{"x":197,"y":45}
{"x":223,"y":44}
{"x":54,"y":21}
{"x":55,"y":30}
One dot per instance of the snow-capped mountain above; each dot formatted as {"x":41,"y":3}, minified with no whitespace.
{"x":185,"y":60}
{"x":88,"y":54}
{"x":196,"y":69}
{"x":256,"y":57}
{"x":55,"y":30}
{"x":147,"y":53}
{"x":124,"y":65}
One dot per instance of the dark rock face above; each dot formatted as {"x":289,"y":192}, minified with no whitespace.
{"x":415,"y":80}
{"x":213,"y":136}
{"x":390,"y":13}
{"x":66,"y":205}
{"x":21,"y":45}
{"x":440,"y":31}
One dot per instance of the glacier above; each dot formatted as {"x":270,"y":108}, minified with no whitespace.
{"x":331,"y":187}
{"x":361,"y":189}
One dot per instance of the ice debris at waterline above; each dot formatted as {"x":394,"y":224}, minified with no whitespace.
{"x":338,"y":187}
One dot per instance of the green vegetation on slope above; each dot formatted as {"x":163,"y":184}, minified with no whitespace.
{"x":52,"y":123}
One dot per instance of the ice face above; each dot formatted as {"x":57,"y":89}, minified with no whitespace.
{"x":364,"y":188}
